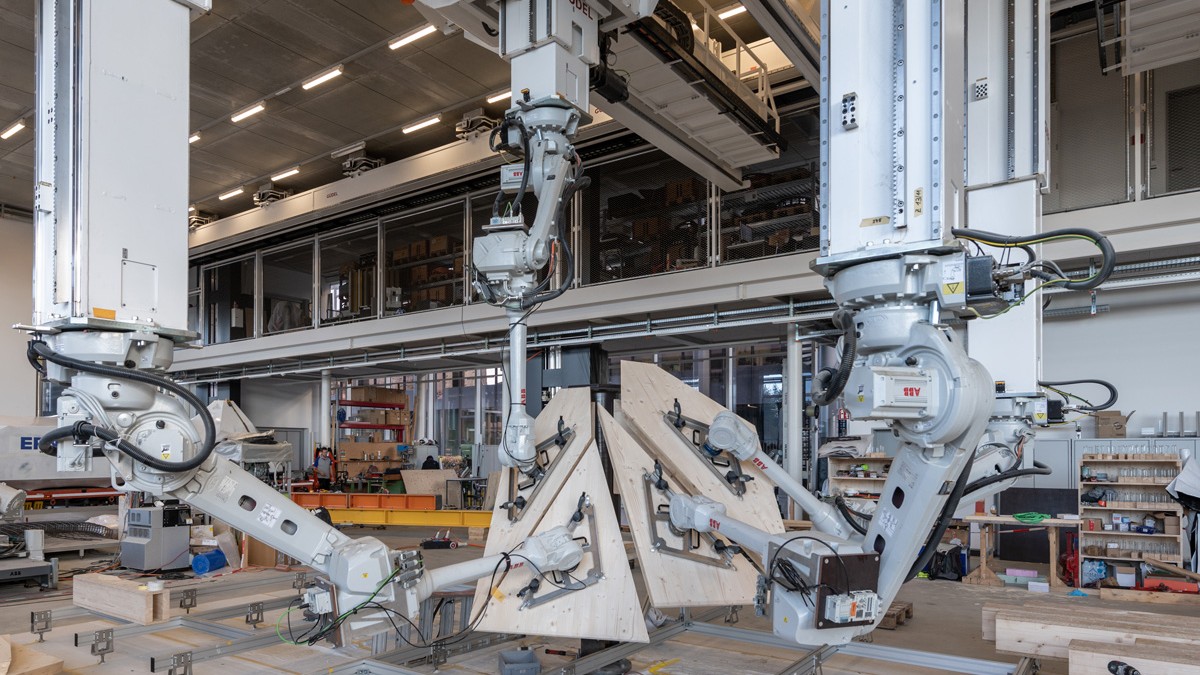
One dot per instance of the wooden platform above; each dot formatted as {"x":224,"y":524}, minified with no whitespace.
{"x":897,"y":615}
{"x":121,"y":598}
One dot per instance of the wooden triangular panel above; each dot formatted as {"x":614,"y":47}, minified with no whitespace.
{"x":574,"y":406}
{"x":648,"y":391}
{"x":608,"y":610}
{"x":671,"y":581}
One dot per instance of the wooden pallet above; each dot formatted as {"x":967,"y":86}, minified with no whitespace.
{"x":897,"y":615}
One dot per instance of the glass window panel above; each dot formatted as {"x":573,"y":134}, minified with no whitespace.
{"x":759,"y":392}
{"x":423,"y":260}
{"x":642,"y":215}
{"x":1174,"y":164}
{"x":229,"y":293}
{"x":348,"y":276}
{"x":287,"y":289}
{"x":777,"y":214}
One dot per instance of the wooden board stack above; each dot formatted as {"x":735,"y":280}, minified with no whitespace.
{"x":1150,"y":642}
{"x":121,"y":598}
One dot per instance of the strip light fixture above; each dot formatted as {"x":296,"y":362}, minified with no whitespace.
{"x":328,"y":75}
{"x":252,"y":110}
{"x":496,"y":98}
{"x":194,"y":137}
{"x":732,"y":11}
{"x":232,"y":193}
{"x":422,"y":124}
{"x":12,"y":129}
{"x":412,"y":36}
{"x":290,"y":172}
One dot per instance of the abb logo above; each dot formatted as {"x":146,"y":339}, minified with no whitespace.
{"x":713,"y":524}
{"x":912,"y":391}
{"x":759,"y":463}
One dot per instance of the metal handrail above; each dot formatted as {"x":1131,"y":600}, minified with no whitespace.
{"x":757,"y":67}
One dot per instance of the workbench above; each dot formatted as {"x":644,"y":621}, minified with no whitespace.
{"x":984,"y":576}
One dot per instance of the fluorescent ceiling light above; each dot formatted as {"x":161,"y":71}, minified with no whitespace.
{"x":13,"y":129}
{"x":232,"y":193}
{"x":192,"y":208}
{"x":194,"y":137}
{"x":349,"y":149}
{"x":411,"y":37}
{"x":290,"y":172}
{"x":733,"y":11}
{"x":252,"y":110}
{"x":421,"y":125}
{"x":324,"y":77}
{"x":496,"y":98}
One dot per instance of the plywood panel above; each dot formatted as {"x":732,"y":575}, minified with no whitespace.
{"x":426,"y":481}
{"x":1148,"y":656}
{"x":1050,"y":635}
{"x":671,"y":581}
{"x":607,"y":610}
{"x":647,"y":392}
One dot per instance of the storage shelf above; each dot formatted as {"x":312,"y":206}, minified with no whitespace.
{"x":1096,"y":458}
{"x":370,"y":404}
{"x":1088,"y":507}
{"x":424,"y":261}
{"x":801,"y":187}
{"x":1118,"y":533}
{"x":772,"y":224}
{"x":1124,"y":483}
{"x":878,"y":478}
{"x":367,"y":425}
{"x":1171,"y":559}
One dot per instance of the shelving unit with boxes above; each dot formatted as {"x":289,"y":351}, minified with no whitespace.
{"x":775,"y":215}
{"x":858,"y":477}
{"x":655,"y":230}
{"x":424,"y":274}
{"x":1125,"y":512}
{"x":372,"y":428}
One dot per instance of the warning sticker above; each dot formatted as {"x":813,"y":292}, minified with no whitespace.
{"x":954,"y":278}
{"x":225,"y":488}
{"x":269,"y":515}
{"x":888,"y":521}
{"x":908,"y":477}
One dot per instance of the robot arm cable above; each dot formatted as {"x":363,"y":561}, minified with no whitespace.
{"x":84,"y":430}
{"x":831,"y":381}
{"x":1108,"y":254}
{"x":1112,"y":393}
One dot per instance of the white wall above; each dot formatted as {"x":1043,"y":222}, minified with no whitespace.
{"x":274,"y":402}
{"x":1147,"y":346}
{"x":18,"y":396}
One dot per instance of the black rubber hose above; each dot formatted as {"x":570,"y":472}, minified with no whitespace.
{"x":1038,"y":469}
{"x":939,"y":529}
{"x":1108,"y":254}
{"x":210,"y":429}
{"x":1112,"y":392}
{"x":561,"y":212}
{"x":850,"y":515}
{"x":835,"y":380}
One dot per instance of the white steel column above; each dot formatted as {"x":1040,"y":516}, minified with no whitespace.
{"x":793,"y":405}
{"x":325,"y":402}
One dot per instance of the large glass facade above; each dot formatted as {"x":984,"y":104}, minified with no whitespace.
{"x":423,"y":260}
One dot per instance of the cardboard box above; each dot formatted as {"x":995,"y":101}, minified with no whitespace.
{"x":691,"y":189}
{"x":1111,"y":424}
{"x":645,"y":229}
{"x":440,"y":245}
{"x":418,"y":274}
{"x":780,"y":238}
{"x":418,"y":250}
{"x":400,"y":254}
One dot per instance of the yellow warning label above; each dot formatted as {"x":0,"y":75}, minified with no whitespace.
{"x":861,"y":398}
{"x":101,"y":313}
{"x":498,"y":594}
{"x":1039,"y":416}
{"x":952,"y":288}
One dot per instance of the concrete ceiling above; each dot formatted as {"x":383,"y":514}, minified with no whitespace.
{"x":245,"y":51}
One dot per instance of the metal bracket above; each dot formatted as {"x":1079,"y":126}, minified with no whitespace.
{"x":733,"y":477}
{"x":690,"y":539}
{"x":188,"y":600}
{"x":731,"y":616}
{"x":40,"y":623}
{"x":254,"y":614}
{"x":102,"y":643}
{"x":517,"y":505}
{"x":594,"y":575}
{"x":181,"y":664}
{"x":300,"y":582}
{"x":438,"y":654}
